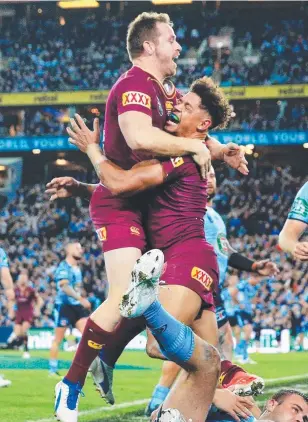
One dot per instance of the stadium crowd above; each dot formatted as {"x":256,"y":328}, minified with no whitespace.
{"x":33,"y":231}
{"x":51,"y":54}
{"x":249,"y":116}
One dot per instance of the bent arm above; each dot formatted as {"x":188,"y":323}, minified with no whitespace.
{"x":126,"y":182}
{"x":85,"y":190}
{"x":290,"y":234}
{"x":68,"y":290}
{"x":140,"y":134}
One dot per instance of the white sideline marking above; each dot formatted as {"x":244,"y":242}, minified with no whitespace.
{"x":294,"y":377}
{"x":100,"y":409}
{"x":144,"y":401}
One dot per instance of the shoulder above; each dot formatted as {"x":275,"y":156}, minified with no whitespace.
{"x":303,"y":192}
{"x":134,"y":80}
{"x":63,"y":268}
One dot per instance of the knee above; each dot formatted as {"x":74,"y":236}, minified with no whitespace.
{"x":211,"y":358}
{"x":153,"y":350}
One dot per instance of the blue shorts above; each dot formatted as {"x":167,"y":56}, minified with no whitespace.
{"x":219,"y":416}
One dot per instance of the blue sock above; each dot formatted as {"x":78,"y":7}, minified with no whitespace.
{"x":245,"y":349}
{"x":238,"y":348}
{"x":53,"y":365}
{"x":159,"y":394}
{"x":176,"y":340}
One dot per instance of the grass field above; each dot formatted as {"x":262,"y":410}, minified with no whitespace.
{"x":30,"y":398}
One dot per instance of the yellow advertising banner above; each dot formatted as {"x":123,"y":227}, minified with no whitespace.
{"x":272,"y":91}
{"x":52,"y":98}
{"x":100,"y":97}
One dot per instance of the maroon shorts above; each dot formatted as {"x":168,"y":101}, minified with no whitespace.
{"x":117,"y":221}
{"x":193,"y":264}
{"x":24,"y":316}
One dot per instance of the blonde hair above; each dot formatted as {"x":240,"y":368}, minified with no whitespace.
{"x":143,"y":28}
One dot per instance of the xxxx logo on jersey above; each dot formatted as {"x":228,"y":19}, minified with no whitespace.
{"x":136,"y":98}
{"x":177,"y":162}
{"x":202,"y":276}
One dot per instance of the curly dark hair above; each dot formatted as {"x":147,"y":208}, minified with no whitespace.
{"x":214,"y":101}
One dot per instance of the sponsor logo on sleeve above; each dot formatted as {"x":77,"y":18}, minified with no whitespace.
{"x":169,"y":106}
{"x":135,"y":231}
{"x":222,"y":243}
{"x":136,"y":98}
{"x":300,"y":207}
{"x":177,"y":162}
{"x":94,"y":345}
{"x":202,"y":276}
{"x":102,"y":234}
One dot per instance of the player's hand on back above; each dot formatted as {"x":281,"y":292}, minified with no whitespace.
{"x":80,"y":135}
{"x":85,"y":303}
{"x":301,"y":251}
{"x":238,"y":407}
{"x":235,"y":158}
{"x":62,"y":187}
{"x":202,"y":157}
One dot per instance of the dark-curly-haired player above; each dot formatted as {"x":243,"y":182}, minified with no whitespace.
{"x":174,"y":224}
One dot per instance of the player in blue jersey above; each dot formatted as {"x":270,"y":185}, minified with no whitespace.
{"x":286,"y":405}
{"x":231,"y":375}
{"x":242,"y":293}
{"x":295,"y":226}
{"x":71,"y":309}
{"x":8,"y":286}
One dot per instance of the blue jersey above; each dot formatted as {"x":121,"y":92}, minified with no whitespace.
{"x":216,"y":235}
{"x":4,"y":262}
{"x":299,"y":209}
{"x":74,"y":276}
{"x":245,"y":294}
{"x":230,"y":306}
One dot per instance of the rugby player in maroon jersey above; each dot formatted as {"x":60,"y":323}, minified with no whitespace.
{"x":175,"y":219}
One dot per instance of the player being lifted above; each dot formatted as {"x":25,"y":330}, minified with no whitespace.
{"x":231,"y":375}
{"x":136,"y":112}
{"x":173,"y":199}
{"x":71,"y":309}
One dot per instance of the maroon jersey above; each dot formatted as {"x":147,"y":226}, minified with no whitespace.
{"x":176,"y":209}
{"x":135,"y":90}
{"x":24,"y":299}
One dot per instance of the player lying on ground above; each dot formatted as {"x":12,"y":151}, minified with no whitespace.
{"x":216,"y":234}
{"x":287,"y":405}
{"x":295,"y":226}
{"x":196,"y":189}
{"x":71,"y":309}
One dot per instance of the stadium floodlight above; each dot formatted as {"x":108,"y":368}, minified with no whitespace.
{"x":305,"y":145}
{"x":165,"y":2}
{"x":78,"y":4}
